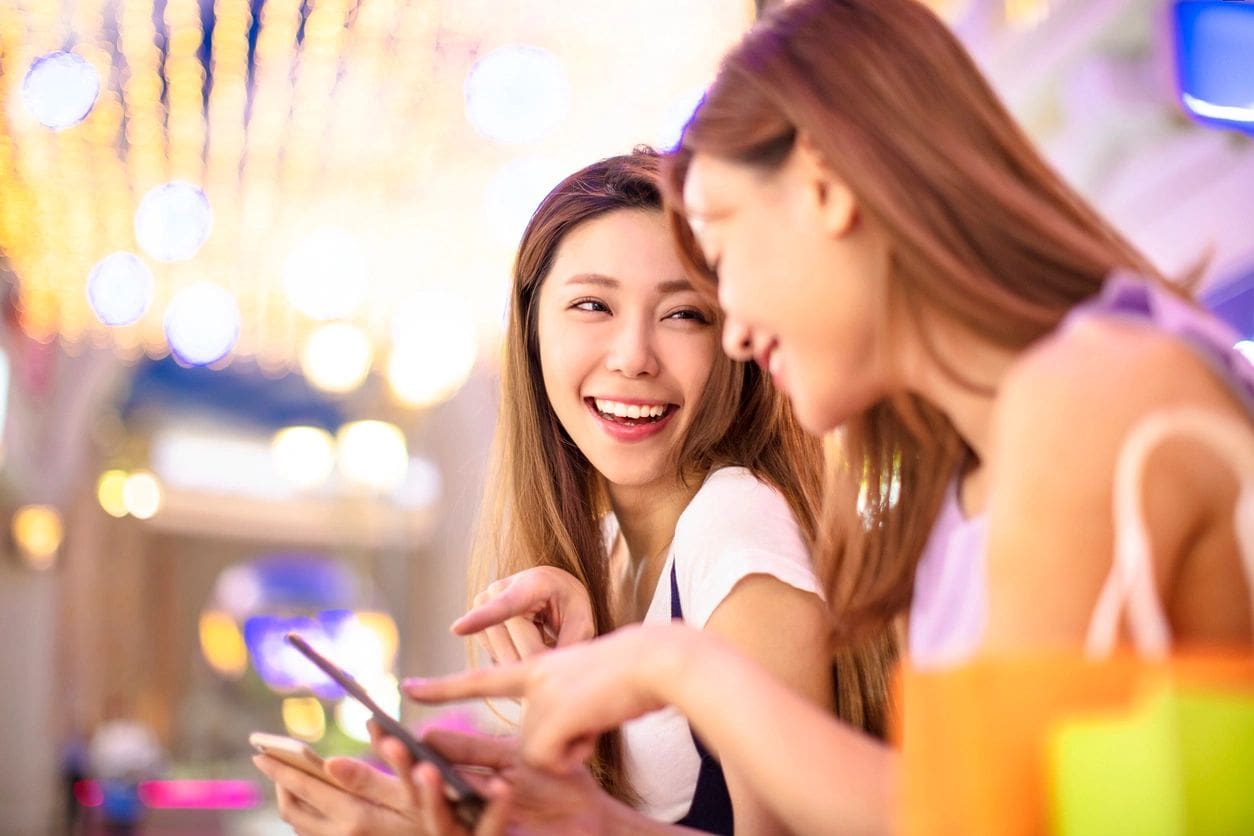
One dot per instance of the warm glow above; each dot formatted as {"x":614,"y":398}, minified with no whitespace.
{"x":383,"y":628}
{"x":37,"y":533}
{"x":110,"y":489}
{"x":1024,"y":14}
{"x":304,"y":456}
{"x":372,"y":454}
{"x":222,"y":644}
{"x":316,"y":160}
{"x":336,"y":357}
{"x":304,"y":718}
{"x":141,"y":495}
{"x":434,"y":349}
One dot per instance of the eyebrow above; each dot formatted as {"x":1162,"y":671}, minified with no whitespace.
{"x":668,"y":286}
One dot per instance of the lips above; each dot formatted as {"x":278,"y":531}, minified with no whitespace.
{"x":622,"y":428}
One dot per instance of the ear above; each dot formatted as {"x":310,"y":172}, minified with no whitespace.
{"x":833,"y":199}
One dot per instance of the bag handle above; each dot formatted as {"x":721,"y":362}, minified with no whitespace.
{"x":1130,"y":584}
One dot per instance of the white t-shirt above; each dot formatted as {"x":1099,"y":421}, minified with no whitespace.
{"x":735,"y":526}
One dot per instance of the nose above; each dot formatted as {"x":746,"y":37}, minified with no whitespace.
{"x":632,"y":353}
{"x":737,"y":339}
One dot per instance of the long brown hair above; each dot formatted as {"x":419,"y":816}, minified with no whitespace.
{"x":981,"y":231}
{"x":544,"y":502}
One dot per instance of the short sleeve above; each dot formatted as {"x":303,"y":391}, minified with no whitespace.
{"x":736,"y":526}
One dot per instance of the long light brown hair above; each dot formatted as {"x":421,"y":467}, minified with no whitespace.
{"x":544,"y":502}
{"x":981,"y":231}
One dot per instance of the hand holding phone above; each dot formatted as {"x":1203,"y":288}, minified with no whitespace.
{"x":291,"y":752}
{"x":467,"y":804}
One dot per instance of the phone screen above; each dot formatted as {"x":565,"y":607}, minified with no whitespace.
{"x":467,"y":804}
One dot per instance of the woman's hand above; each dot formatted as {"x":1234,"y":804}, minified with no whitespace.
{"x":528,"y":613}
{"x":364,"y":800}
{"x":575,"y":693}
{"x":541,"y":802}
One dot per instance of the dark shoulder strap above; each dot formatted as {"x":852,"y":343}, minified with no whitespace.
{"x":711,"y":809}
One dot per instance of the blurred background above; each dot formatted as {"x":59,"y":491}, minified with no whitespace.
{"x":254,"y":258}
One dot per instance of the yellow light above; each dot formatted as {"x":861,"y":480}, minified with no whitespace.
{"x":372,"y":454}
{"x":384,"y":629}
{"x":434,"y":349}
{"x":141,"y":494}
{"x":222,"y":644}
{"x":38,"y":532}
{"x":109,"y":492}
{"x":1024,"y":14}
{"x":304,"y":718}
{"x":336,"y":357}
{"x":305,"y":456}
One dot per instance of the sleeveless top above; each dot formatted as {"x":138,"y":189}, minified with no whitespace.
{"x":949,"y":608}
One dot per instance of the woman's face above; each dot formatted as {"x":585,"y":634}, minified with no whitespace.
{"x":799,"y":280}
{"x":626,"y":344}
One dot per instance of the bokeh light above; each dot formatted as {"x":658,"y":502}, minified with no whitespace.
{"x":517,"y":94}
{"x":372,"y":454}
{"x":202,"y":323}
{"x":222,"y":644}
{"x":37,"y":533}
{"x":110,"y":492}
{"x":336,"y":357}
{"x":304,"y":456}
{"x":515,"y":191}
{"x":325,"y":276}
{"x":141,"y":494}
{"x":173,"y":221}
{"x":60,"y":89}
{"x":119,"y":289}
{"x":304,"y":718}
{"x":434,"y":348}
{"x":1246,"y":349}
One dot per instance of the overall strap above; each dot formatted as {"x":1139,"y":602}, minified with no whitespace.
{"x":711,"y":809}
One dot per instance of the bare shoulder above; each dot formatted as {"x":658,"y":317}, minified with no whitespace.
{"x":1058,"y":425}
{"x":1121,"y":367}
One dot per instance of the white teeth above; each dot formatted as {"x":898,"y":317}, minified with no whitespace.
{"x":622,"y":410}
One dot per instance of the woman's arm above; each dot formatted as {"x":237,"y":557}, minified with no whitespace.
{"x":782,"y":630}
{"x":815,"y":774}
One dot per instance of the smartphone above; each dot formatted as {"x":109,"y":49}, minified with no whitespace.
{"x":467,"y":804}
{"x":292,"y":752}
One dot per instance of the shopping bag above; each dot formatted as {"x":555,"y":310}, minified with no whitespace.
{"x":1181,"y":762}
{"x":977,"y":740}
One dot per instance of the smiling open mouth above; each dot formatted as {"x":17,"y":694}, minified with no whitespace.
{"x":631,"y":415}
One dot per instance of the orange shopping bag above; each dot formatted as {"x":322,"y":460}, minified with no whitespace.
{"x":976,"y":740}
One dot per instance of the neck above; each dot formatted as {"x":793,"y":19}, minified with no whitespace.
{"x":968,"y":404}
{"x":647,"y":516}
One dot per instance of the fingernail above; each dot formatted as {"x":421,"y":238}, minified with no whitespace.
{"x":412,"y":682}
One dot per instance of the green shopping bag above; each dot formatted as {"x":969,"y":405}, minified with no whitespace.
{"x":1180,"y":762}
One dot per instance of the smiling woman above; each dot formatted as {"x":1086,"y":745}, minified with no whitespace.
{"x":639,"y":476}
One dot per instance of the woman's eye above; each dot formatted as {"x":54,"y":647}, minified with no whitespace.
{"x":591,"y":305}
{"x":691,"y":314}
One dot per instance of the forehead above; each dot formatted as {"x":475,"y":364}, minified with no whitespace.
{"x":625,"y":244}
{"x":712,"y":183}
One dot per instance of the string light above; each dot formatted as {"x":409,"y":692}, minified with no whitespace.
{"x":291,"y":116}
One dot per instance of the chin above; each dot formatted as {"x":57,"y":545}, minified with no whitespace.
{"x":818,"y":419}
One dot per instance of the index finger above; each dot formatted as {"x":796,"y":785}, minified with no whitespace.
{"x":495,"y":681}
{"x":517,"y":599}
